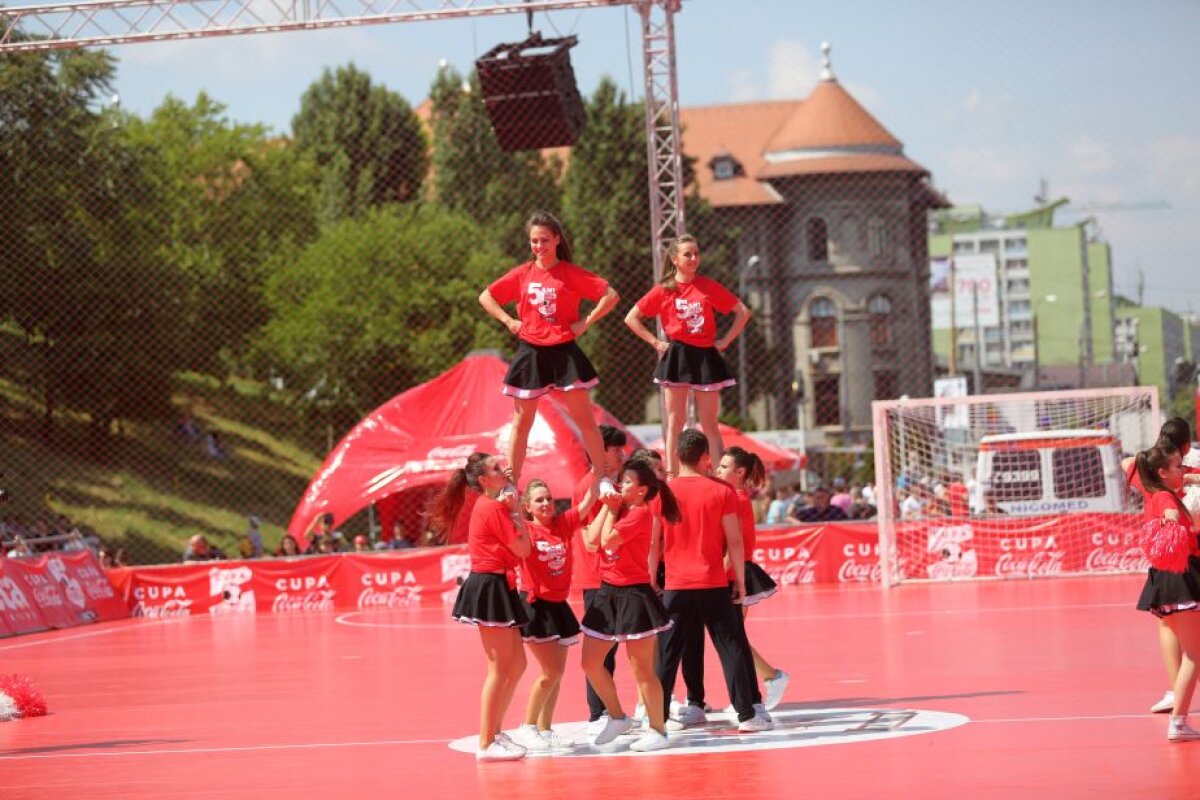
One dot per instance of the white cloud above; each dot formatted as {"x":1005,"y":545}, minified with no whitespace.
{"x":1087,"y":156}
{"x":792,"y":71}
{"x":1173,"y":165}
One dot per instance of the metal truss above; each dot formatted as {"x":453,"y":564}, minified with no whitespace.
{"x":109,"y":22}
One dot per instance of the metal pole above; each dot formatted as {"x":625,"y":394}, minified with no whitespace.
{"x":978,"y":339}
{"x":953,"y":323}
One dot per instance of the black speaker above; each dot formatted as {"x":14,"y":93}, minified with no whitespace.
{"x":530,"y":93}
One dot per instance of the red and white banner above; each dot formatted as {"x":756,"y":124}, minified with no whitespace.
{"x":57,"y":590}
{"x":834,"y":553}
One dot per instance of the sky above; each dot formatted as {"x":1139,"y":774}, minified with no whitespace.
{"x":1098,"y":99}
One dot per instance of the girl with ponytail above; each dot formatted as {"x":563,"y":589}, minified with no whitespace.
{"x":744,"y":470}
{"x":1173,"y":597}
{"x":496,"y":542}
{"x":626,"y":608}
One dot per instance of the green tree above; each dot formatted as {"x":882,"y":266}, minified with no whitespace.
{"x":80,"y":275}
{"x":227,"y":197}
{"x":366,"y":140}
{"x":379,"y":304}
{"x":472,"y":175}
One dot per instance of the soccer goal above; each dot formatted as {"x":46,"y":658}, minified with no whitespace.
{"x":1010,"y":486}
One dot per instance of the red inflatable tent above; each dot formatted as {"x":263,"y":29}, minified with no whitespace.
{"x":403,"y":451}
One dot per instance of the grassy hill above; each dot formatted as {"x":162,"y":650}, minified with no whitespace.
{"x":153,"y":488}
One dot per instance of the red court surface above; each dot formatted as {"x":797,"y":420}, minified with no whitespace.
{"x":981,"y":689}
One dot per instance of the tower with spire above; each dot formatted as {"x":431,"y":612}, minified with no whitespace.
{"x":835,"y":212}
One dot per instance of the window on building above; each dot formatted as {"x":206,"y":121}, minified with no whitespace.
{"x":1018,"y":286}
{"x":880,"y":309}
{"x":724,"y":168}
{"x":822,"y":316}
{"x":989,"y":245}
{"x":818,"y":240}
{"x":1017,"y":263}
{"x":967,"y":246}
{"x":887,"y":384}
{"x":1015,"y":245}
{"x":877,"y":239}
{"x":826,"y":400}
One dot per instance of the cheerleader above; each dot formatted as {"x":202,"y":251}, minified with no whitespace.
{"x":626,"y":608}
{"x":552,"y":627}
{"x":496,"y":542}
{"x":547,"y":291}
{"x":686,"y":303}
{"x":742,"y":469}
{"x":1171,"y":596}
{"x":1179,"y":434}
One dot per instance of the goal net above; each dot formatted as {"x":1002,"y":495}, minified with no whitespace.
{"x":1010,"y":486}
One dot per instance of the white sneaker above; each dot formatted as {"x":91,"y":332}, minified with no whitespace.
{"x":1179,"y":731}
{"x":675,"y":706}
{"x":640,"y":711}
{"x":607,"y":487}
{"x":755,"y":724}
{"x":527,"y":736}
{"x":686,"y":717}
{"x":552,"y":740}
{"x":595,"y":726}
{"x":500,"y":751}
{"x":775,"y":687}
{"x":761,"y":711}
{"x":649,"y":741}
{"x":1166,"y":704}
{"x":612,"y":729}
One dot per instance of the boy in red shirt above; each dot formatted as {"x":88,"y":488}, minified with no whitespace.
{"x":697,"y":590}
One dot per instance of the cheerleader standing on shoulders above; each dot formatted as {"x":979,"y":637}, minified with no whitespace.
{"x":1172,"y":596}
{"x":687,"y":303}
{"x":552,"y":627}
{"x":496,"y":542}
{"x":626,"y":608}
{"x":742,"y":469}
{"x":547,"y":291}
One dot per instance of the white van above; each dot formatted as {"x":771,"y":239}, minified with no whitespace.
{"x":1049,"y":472}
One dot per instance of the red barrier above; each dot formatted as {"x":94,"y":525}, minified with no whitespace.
{"x":58,"y":590}
{"x":834,"y":553}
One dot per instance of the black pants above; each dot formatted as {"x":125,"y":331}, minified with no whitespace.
{"x":595,"y":704}
{"x":693,"y":611}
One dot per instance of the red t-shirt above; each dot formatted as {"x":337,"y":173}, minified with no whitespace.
{"x":547,"y":299}
{"x":586,"y":574}
{"x":546,"y":573}
{"x":629,"y":564}
{"x":694,"y":549}
{"x":491,"y":530}
{"x":687,"y":313}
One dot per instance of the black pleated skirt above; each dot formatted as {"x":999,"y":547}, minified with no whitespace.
{"x":549,"y":621}
{"x":485,"y":598}
{"x":1166,"y":593}
{"x":759,"y":585}
{"x":538,"y":369}
{"x":685,"y":366}
{"x":620,"y":613}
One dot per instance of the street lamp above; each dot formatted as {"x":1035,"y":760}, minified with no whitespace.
{"x":751,"y":264}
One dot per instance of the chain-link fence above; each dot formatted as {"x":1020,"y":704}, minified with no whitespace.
{"x":195,"y":310}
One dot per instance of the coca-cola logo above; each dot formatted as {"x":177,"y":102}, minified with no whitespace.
{"x":1131,"y":559}
{"x":397,"y":597}
{"x":171,"y":608}
{"x":309,"y":601}
{"x":799,"y":570}
{"x":854,"y":571}
{"x":11,"y":596}
{"x":1045,"y":562}
{"x":455,"y":567}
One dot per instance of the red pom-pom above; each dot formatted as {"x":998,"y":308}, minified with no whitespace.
{"x":1167,"y":544}
{"x":25,"y":696}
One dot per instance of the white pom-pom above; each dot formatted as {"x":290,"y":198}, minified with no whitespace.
{"x":8,"y":708}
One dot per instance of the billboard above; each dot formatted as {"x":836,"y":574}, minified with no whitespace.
{"x":974,"y":277}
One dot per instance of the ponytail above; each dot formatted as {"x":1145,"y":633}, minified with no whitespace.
{"x":756,"y":471}
{"x":443,"y":509}
{"x":1150,"y":461}
{"x":647,"y":477}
